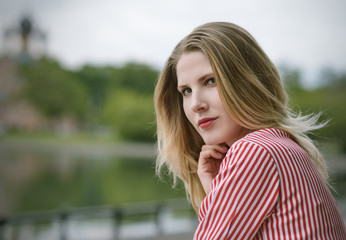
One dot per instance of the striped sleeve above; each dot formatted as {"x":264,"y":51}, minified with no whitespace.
{"x":242,"y":195}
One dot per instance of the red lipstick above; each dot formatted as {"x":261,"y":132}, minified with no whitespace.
{"x":206,"y":122}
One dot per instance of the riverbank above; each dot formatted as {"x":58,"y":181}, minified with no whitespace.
{"x":81,"y":149}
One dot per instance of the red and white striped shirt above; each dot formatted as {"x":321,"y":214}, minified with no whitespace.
{"x":268,"y":188}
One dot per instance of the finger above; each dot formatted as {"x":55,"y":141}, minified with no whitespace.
{"x":211,"y":153}
{"x":216,"y":149}
{"x":224,"y":146}
{"x":217,"y":155}
{"x":220,"y":148}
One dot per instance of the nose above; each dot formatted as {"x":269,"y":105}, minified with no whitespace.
{"x":199,"y":103}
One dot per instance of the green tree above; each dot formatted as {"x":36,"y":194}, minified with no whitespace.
{"x":131,"y":115}
{"x":138,"y":77}
{"x":96,"y":80}
{"x":292,"y":79}
{"x":53,"y":90}
{"x":330,"y":78}
{"x":101,"y":82}
{"x":329,"y":98}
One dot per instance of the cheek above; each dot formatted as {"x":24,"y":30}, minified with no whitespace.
{"x":187,"y":111}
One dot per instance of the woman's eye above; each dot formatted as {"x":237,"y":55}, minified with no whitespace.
{"x":186,"y":91}
{"x":210,"y":81}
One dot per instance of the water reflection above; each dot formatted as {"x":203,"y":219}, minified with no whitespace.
{"x":34,"y":178}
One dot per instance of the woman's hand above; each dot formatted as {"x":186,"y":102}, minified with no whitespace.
{"x":209,"y":162}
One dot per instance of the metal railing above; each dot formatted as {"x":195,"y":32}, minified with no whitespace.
{"x":153,"y":212}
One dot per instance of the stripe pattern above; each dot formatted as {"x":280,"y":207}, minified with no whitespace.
{"x":268,"y":188}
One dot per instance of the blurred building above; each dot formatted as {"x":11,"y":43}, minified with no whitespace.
{"x":21,"y":44}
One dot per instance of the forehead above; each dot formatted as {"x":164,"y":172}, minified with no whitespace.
{"x":192,"y":66}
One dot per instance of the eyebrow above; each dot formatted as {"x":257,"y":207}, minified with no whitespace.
{"x":204,"y":77}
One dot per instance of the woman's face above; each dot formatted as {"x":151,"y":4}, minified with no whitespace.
{"x":201,"y":101}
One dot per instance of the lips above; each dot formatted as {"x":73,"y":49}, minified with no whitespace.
{"x":206,"y":122}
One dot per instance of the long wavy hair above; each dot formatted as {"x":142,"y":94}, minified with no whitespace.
{"x":249,"y":86}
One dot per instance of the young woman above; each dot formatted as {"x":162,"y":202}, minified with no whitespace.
{"x":224,"y":128}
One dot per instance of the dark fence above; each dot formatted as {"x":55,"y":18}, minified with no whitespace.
{"x":154,"y":212}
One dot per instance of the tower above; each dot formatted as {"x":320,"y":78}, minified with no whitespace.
{"x":24,"y":41}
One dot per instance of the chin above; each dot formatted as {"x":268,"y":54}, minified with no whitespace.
{"x":209,"y":141}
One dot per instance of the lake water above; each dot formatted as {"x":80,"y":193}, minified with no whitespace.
{"x":42,"y":176}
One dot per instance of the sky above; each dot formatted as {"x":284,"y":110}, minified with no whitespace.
{"x":307,"y":34}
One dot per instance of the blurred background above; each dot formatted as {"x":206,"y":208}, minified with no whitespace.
{"x":77,"y":122}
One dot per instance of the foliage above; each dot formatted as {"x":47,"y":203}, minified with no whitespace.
{"x":292,"y":79}
{"x":121,"y":96}
{"x":53,"y":90}
{"x":134,"y":76}
{"x":96,"y":81}
{"x":329,"y":98}
{"x":103,"y":81}
{"x":137,"y":77}
{"x":131,"y":114}
{"x":88,"y":93}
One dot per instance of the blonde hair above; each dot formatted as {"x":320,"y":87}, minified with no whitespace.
{"x":250,"y":87}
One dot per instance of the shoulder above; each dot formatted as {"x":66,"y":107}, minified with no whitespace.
{"x":264,"y":142}
{"x":255,"y":147}
{"x":247,"y":157}
{"x":268,"y":139}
